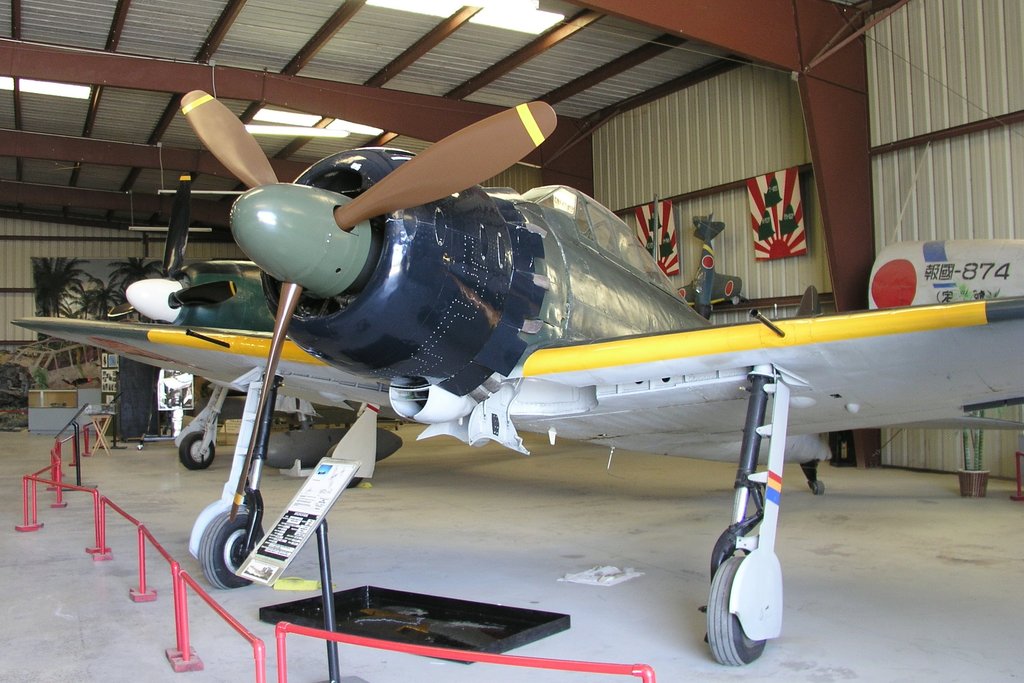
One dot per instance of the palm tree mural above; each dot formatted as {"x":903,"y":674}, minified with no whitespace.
{"x":54,"y":280}
{"x":131,"y":269}
{"x":93,"y":298}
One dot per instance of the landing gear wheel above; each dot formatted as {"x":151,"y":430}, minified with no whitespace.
{"x":817,"y":487}
{"x":729,"y":644}
{"x":222,"y":549}
{"x":190,"y":455}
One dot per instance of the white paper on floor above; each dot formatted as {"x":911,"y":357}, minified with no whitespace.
{"x":603,"y":576}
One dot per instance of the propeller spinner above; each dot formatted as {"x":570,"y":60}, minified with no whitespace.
{"x":160,"y":298}
{"x":305,"y":219}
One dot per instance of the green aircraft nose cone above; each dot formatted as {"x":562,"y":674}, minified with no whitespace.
{"x":289,"y":232}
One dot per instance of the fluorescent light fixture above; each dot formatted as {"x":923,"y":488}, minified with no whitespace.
{"x":517,"y":16}
{"x":357,"y":128}
{"x":513,"y":15}
{"x":163,"y":228}
{"x":297,"y":124}
{"x":287,"y":118}
{"x":78,"y":92}
{"x":296,"y":131}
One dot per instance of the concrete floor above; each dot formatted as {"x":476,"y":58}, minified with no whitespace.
{"x":889,"y":577}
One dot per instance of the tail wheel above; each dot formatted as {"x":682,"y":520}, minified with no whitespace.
{"x":190,"y":452}
{"x":729,"y":644}
{"x":222,"y":549}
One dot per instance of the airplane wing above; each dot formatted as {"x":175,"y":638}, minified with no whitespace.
{"x":685,"y":393}
{"x":224,"y":356}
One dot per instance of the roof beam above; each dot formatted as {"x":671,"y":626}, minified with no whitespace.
{"x":425,"y":44}
{"x":340,"y":17}
{"x":421,"y":47}
{"x":50,"y":147}
{"x":424,"y":117}
{"x":537,"y":46}
{"x":644,"y":53}
{"x":214,"y":214}
{"x":219,"y":31}
{"x":421,"y":116}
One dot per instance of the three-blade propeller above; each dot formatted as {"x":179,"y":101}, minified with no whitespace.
{"x":461,"y":160}
{"x":159,"y":298}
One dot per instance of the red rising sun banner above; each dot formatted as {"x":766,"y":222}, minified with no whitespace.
{"x":665,"y":249}
{"x":777,"y":215}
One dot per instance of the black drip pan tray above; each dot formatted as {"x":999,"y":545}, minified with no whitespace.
{"x":418,"y":619}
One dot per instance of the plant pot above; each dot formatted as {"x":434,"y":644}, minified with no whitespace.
{"x":973,"y":483}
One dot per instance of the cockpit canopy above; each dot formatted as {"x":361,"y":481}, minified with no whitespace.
{"x":602,"y":230}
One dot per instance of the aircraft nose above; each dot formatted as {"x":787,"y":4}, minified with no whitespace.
{"x":289,"y":231}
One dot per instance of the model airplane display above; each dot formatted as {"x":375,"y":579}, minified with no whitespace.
{"x":484,"y":312}
{"x":709,"y":287}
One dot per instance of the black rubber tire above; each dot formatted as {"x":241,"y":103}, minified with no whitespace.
{"x":188,"y":452}
{"x":221,"y":549}
{"x":817,"y":487}
{"x":729,"y":644}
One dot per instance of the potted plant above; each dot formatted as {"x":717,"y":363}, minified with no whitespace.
{"x":973,"y":476}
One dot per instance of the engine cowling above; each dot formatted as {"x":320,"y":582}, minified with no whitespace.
{"x":444,"y":295}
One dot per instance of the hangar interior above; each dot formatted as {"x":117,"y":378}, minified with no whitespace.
{"x":902,"y":120}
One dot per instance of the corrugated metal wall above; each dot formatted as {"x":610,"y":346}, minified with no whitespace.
{"x":23,"y":240}
{"x":739,"y":125}
{"x":932,"y":66}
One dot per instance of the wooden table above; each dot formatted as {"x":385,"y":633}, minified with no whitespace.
{"x":100,"y":424}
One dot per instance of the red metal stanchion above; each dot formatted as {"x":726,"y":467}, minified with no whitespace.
{"x":1020,"y":493}
{"x":100,"y":552}
{"x":183,"y":657}
{"x":28,"y":506}
{"x":57,"y":475}
{"x":259,"y":650}
{"x":142,"y":594}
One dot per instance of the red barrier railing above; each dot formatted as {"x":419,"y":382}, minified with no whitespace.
{"x":183,"y":656}
{"x":641,"y":671}
{"x":259,"y":649}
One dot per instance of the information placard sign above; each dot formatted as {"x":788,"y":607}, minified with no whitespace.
{"x":267,"y":562}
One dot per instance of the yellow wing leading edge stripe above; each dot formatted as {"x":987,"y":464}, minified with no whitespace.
{"x":736,"y":338}
{"x":239,"y":344}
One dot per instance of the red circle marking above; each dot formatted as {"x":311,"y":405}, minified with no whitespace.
{"x":894,"y":284}
{"x":728,"y":288}
{"x":708,"y":261}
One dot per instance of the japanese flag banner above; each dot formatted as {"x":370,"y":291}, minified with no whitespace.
{"x":777,"y":214}
{"x":657,"y":232}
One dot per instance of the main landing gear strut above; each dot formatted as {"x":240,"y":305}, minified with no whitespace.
{"x":745,"y":605}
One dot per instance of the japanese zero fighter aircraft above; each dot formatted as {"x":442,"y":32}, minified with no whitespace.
{"x":483,"y":313}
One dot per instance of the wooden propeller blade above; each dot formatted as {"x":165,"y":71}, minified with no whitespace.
{"x":177,"y":228}
{"x":289,"y":297}
{"x":461,"y":160}
{"x":225,"y":136}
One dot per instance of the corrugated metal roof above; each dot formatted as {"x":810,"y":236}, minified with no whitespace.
{"x":369,"y":42}
{"x":57,"y":115}
{"x":128,"y":115}
{"x":267,"y":35}
{"x":171,"y":29}
{"x":81,"y":23}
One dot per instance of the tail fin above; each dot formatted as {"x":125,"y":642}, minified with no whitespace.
{"x":810,"y":304}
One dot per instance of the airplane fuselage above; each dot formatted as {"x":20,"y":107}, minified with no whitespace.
{"x":460,"y":290}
